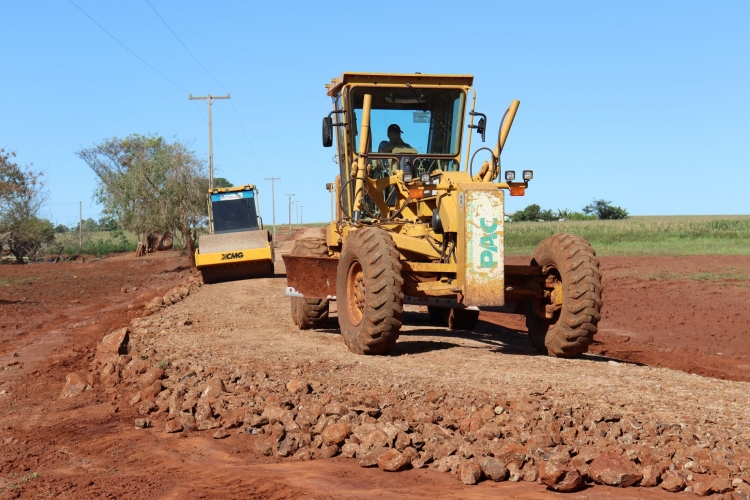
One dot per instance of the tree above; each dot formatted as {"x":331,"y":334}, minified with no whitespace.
{"x":566,"y":214}
{"x":22,"y":196}
{"x":90,"y":225}
{"x":107,"y":224}
{"x":604,"y":209}
{"x":60,"y":229}
{"x":187,"y":194}
{"x":221,"y":182}
{"x":11,"y":175}
{"x":533,"y":213}
{"x":150,"y":185}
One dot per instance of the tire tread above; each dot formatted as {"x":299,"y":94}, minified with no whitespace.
{"x":574,"y":331}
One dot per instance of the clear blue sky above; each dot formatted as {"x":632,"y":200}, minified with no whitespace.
{"x":646,"y":104}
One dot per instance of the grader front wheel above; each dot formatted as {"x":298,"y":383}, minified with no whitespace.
{"x":309,"y":313}
{"x":369,"y":292}
{"x":563,"y":324}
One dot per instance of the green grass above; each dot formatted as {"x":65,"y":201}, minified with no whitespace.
{"x":97,"y":243}
{"x":644,"y":235}
{"x":280,"y":227}
{"x":678,"y":235}
{"x":73,"y":239}
{"x":24,"y":479}
{"x":10,"y":282}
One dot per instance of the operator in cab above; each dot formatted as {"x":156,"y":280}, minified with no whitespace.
{"x":394,"y":140}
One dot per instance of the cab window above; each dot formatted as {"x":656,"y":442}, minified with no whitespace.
{"x":428,"y":120}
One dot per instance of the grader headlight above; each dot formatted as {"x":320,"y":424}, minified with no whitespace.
{"x":528,"y":175}
{"x":408,"y":176}
{"x":510,"y":175}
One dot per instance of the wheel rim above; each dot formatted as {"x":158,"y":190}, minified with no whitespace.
{"x":549,"y":308}
{"x":355,"y":293}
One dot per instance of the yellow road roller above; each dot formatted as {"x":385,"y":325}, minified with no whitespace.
{"x":238,"y":246}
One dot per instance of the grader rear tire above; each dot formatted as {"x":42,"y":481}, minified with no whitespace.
{"x":369,"y":292}
{"x":572,"y":261}
{"x":310,"y":313}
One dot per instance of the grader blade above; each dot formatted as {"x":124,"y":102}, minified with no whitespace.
{"x":310,"y":277}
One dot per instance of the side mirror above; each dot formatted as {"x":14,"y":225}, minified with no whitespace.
{"x":327,"y":132}
{"x":481,"y":127}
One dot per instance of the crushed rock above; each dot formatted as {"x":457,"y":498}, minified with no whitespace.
{"x":492,"y":416}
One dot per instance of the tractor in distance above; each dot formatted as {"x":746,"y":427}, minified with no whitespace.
{"x":414,"y":224}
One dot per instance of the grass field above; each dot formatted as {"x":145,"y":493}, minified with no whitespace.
{"x":645,"y":235}
{"x":655,"y":235}
{"x":97,"y":243}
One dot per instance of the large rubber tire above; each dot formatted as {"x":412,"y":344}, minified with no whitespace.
{"x":570,"y":332}
{"x":369,"y":291}
{"x":309,"y":313}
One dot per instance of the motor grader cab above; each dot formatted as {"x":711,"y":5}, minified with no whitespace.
{"x":238,"y":246}
{"x":417,"y":222}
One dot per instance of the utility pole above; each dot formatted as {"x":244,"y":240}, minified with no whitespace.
{"x":296,"y":211}
{"x":273,"y":204}
{"x":80,"y":223}
{"x":300,"y":215}
{"x":209,"y":99}
{"x":290,"y":213}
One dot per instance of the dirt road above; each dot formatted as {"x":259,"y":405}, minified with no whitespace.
{"x":241,"y":333}
{"x":685,"y":313}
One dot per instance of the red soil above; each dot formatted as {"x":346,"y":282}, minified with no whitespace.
{"x":685,"y":313}
{"x":86,"y":447}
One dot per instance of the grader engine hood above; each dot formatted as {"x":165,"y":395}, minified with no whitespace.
{"x":481,"y":239}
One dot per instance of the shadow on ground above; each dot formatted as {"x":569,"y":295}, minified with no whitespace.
{"x":495,"y":338}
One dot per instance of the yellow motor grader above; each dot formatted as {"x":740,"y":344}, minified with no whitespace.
{"x":415,"y":223}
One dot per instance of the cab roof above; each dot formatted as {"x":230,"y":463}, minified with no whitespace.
{"x":244,"y":187}
{"x":415,"y":79}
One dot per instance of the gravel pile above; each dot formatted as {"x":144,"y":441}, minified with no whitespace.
{"x":313,"y":401}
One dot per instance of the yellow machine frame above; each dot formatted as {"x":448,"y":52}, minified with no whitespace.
{"x":409,"y":229}
{"x":234,"y":257}
{"x":411,"y":239}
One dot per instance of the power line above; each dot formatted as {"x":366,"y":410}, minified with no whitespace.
{"x":61,"y":204}
{"x":185,"y":46}
{"x":242,"y":127}
{"x":126,"y":48}
{"x":247,"y":138}
{"x":236,"y":113}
